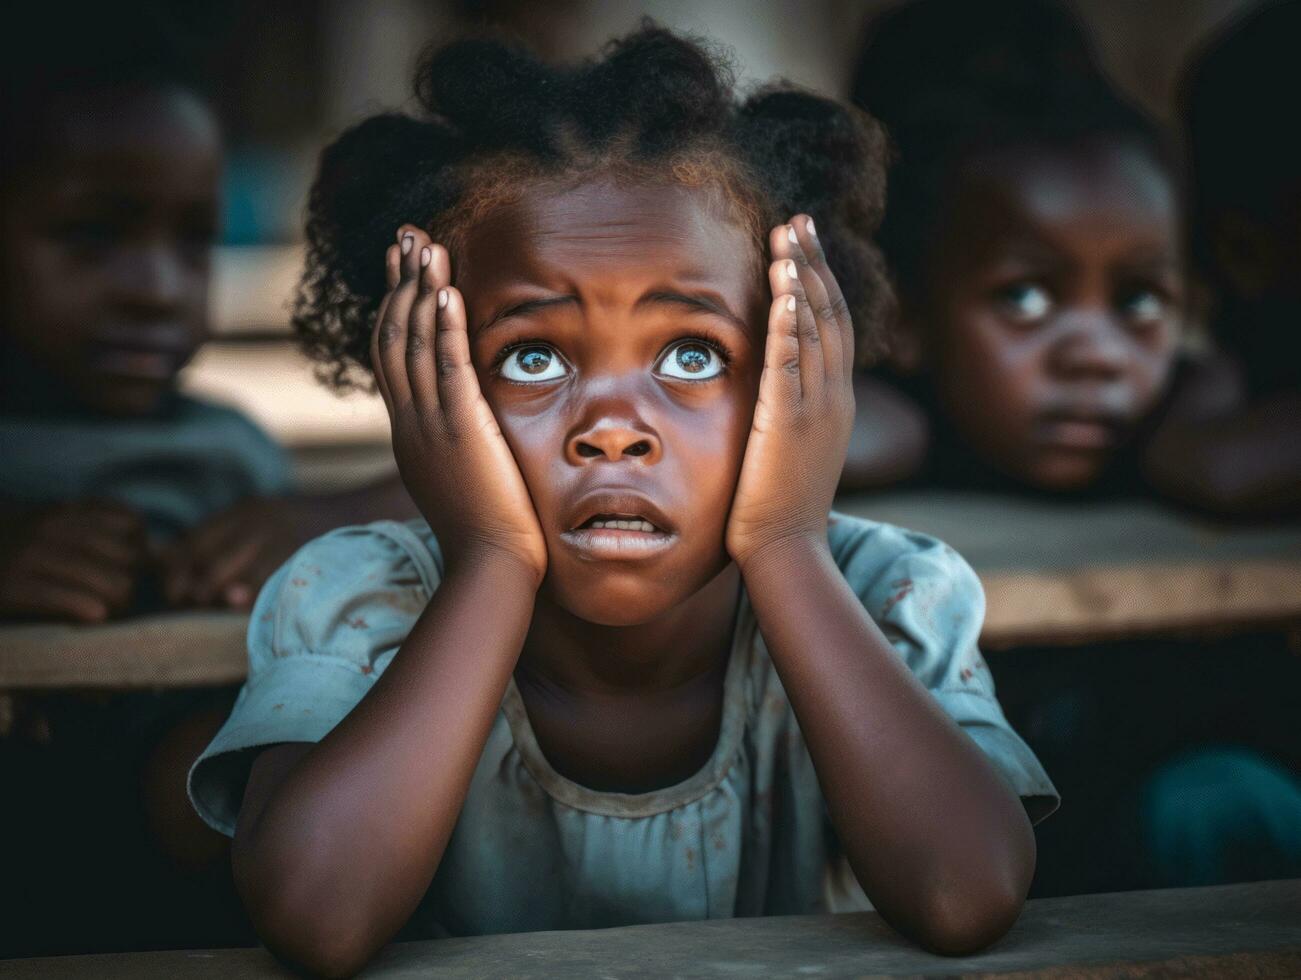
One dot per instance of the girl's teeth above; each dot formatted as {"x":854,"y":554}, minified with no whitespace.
{"x":625,"y":525}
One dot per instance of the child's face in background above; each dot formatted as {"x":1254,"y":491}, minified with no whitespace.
{"x":106,"y":246}
{"x":618,"y":335}
{"x":1050,"y":324}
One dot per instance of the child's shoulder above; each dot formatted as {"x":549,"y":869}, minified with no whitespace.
{"x":866,"y":551}
{"x":376,"y":559}
{"x":910,"y":583}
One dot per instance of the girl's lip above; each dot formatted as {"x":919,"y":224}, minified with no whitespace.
{"x":1081,"y":430}
{"x":150,"y":365}
{"x":1081,"y":434}
{"x":613,"y":544}
{"x":628,"y":502}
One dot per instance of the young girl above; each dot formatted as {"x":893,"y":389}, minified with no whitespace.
{"x":1033,"y":233}
{"x":629,"y":671}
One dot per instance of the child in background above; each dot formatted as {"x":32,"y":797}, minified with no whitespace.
{"x":1234,"y":448}
{"x":1032,"y":229}
{"x":629,"y":671}
{"x":118,"y":493}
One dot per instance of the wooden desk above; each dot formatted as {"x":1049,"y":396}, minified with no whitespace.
{"x":1060,"y":573}
{"x":1053,"y":574}
{"x":1232,"y":931}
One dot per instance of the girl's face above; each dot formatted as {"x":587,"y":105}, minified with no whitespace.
{"x":1050,"y":324}
{"x":105,"y":249}
{"x":618,"y":335}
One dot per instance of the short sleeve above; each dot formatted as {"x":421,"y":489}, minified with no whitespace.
{"x":930,"y":605}
{"x":323,"y":629}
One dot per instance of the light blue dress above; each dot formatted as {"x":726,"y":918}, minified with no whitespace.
{"x":746,"y":835}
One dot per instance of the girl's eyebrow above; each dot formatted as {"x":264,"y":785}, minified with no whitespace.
{"x":523,"y":309}
{"x":702,"y":302}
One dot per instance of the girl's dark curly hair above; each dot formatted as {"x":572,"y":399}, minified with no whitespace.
{"x":955,"y":81}
{"x":655,"y":107}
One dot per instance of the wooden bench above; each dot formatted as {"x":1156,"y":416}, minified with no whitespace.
{"x":1053,"y":574}
{"x":1232,"y":931}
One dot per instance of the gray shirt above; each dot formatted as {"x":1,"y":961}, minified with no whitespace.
{"x":175,"y":471}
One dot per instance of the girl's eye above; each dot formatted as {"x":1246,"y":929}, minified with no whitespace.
{"x":1026,"y":302}
{"x":1143,"y":307}
{"x":532,"y":363}
{"x":690,"y":360}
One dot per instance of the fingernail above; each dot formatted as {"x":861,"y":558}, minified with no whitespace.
{"x":425,"y":255}
{"x":808,"y":226}
{"x":442,"y":298}
{"x":407,"y":242}
{"x":790,"y":303}
{"x":791,"y":271}
{"x":790,"y":234}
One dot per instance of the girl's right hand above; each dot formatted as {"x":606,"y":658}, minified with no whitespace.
{"x":449,"y":449}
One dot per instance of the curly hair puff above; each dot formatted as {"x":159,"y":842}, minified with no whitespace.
{"x":654,"y":106}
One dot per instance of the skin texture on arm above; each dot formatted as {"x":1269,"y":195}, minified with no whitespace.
{"x":1215,"y":452}
{"x":336,"y":844}
{"x":889,"y":439}
{"x":896,"y":771}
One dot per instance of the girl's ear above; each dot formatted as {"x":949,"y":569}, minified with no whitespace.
{"x":907,"y":355}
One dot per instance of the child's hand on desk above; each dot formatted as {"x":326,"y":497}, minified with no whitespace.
{"x":449,"y":449}
{"x":226,"y":560}
{"x":72,"y":562}
{"x":805,"y":411}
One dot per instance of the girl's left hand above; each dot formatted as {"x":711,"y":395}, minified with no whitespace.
{"x":805,"y":412}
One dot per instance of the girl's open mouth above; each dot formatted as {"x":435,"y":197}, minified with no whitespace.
{"x":618,"y":522}
{"x":618,"y":537}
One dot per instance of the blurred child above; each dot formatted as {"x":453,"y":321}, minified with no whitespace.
{"x":118,"y":493}
{"x":1032,"y":229}
{"x":1234,"y":447}
{"x":630,"y":670}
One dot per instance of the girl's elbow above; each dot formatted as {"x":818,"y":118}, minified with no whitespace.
{"x":962,"y":926}
{"x":301,"y":928}
{"x":964,"y":914}
{"x":318,"y":945}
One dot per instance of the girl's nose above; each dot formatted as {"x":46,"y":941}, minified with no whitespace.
{"x":1095,"y":347}
{"x":613,"y":439}
{"x":153,"y":278}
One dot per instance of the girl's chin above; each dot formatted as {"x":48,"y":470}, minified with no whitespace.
{"x":628,"y":593}
{"x":620,"y":607}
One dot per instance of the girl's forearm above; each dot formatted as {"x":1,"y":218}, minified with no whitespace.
{"x":333,"y":859}
{"x":938,"y":841}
